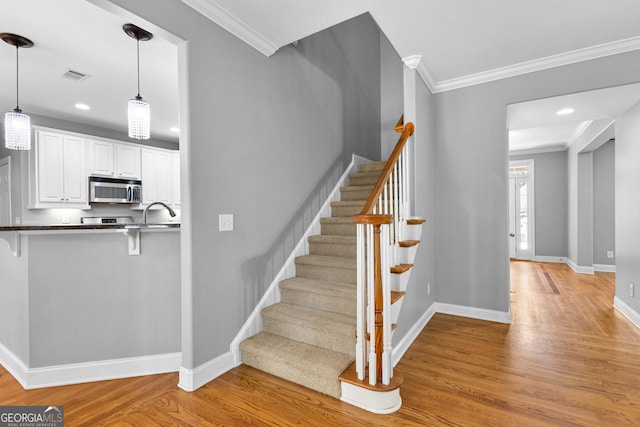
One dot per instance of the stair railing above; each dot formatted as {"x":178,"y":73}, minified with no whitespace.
{"x":381,"y":225}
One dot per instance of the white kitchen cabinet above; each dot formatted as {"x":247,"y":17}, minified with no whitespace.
{"x":59,"y":177}
{"x":100,"y":159}
{"x":157,"y":176}
{"x":175,"y":193}
{"x":127,"y":161}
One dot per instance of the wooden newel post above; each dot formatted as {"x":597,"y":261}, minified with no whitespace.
{"x":376,"y":221}
{"x":377,"y":280}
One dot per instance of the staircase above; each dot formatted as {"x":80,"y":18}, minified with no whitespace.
{"x":309,"y":337}
{"x":332,"y":326}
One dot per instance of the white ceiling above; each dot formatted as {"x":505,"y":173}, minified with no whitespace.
{"x":77,"y":35}
{"x":461,"y":43}
{"x":535,"y":126}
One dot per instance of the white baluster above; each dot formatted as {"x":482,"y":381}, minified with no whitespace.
{"x":386,"y":305}
{"x":361,"y":351}
{"x":371,"y":309}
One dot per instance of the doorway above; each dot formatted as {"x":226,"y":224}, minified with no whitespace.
{"x":521,"y":210}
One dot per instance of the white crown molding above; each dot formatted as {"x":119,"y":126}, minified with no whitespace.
{"x":577,"y":132}
{"x":412,"y":61}
{"x":226,"y":20}
{"x":567,"y":58}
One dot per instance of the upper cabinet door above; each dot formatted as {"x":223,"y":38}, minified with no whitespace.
{"x":101,"y":158}
{"x":75,"y":172}
{"x":50,"y":167}
{"x":127,"y":161}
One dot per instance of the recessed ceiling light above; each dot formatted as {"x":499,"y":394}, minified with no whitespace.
{"x":565,"y":111}
{"x":81,"y":106}
{"x":174,"y":129}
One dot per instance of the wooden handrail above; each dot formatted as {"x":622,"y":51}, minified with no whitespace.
{"x":388,"y":168}
{"x":400,"y":125}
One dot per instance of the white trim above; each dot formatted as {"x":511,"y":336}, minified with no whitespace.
{"x":427,"y":77}
{"x":377,"y":402}
{"x":473,"y":312}
{"x":627,"y":311}
{"x":212,"y":10}
{"x":253,"y":325}
{"x":77,"y":373}
{"x":581,"y":269}
{"x":604,"y":268}
{"x":556,"y":259}
{"x":578,"y":131}
{"x":412,"y":61}
{"x":538,"y":150}
{"x":12,"y":363}
{"x":401,"y":347}
{"x":567,"y":58}
{"x":193,"y":379}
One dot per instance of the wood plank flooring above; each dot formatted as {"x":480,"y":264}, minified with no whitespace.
{"x":569,"y":358}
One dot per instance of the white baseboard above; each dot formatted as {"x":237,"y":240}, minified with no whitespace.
{"x":580,"y":269}
{"x":401,"y":348}
{"x":473,"y":312}
{"x":76,"y":373}
{"x":193,"y":379}
{"x":14,"y":365}
{"x":604,"y":268}
{"x":555,"y":259}
{"x":627,"y":311}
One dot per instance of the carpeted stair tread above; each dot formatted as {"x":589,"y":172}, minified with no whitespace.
{"x":313,"y":367}
{"x":333,"y":239}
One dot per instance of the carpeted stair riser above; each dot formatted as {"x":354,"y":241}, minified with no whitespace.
{"x":357,"y":192}
{"x":372,"y":166}
{"x":338,"y":226}
{"x":310,"y":366}
{"x":364,"y":178}
{"x":324,"y":329}
{"x":319,"y":294}
{"x":332,"y":274}
{"x":347,"y":209}
{"x":338,"y":246}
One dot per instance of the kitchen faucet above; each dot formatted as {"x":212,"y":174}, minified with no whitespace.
{"x":144,"y":214}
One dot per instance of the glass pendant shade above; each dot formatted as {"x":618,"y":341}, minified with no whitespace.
{"x":17,"y":130}
{"x":139,"y":113}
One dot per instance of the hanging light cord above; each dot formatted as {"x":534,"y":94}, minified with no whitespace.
{"x":17,"y":82}
{"x":138,"y":55}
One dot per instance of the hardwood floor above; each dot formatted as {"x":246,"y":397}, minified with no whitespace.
{"x":569,"y":358}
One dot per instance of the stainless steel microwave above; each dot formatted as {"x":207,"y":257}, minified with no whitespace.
{"x":112,"y":190}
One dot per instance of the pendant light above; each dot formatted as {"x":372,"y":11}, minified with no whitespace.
{"x":139,"y":112}
{"x":17,"y":125}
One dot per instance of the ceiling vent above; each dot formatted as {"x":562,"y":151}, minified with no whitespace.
{"x":76,"y":76}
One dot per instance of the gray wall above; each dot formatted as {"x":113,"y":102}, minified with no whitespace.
{"x":57,"y":308}
{"x":265,"y":133}
{"x":604,"y":203}
{"x":471,"y":199}
{"x":551,"y":204}
{"x":627,"y":206}
{"x":417,"y":301}
{"x":128,"y":307}
{"x":391,"y":93}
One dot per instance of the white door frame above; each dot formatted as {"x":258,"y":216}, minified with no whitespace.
{"x":530,"y":178}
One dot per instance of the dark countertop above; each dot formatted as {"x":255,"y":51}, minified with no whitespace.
{"x":60,"y":227}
